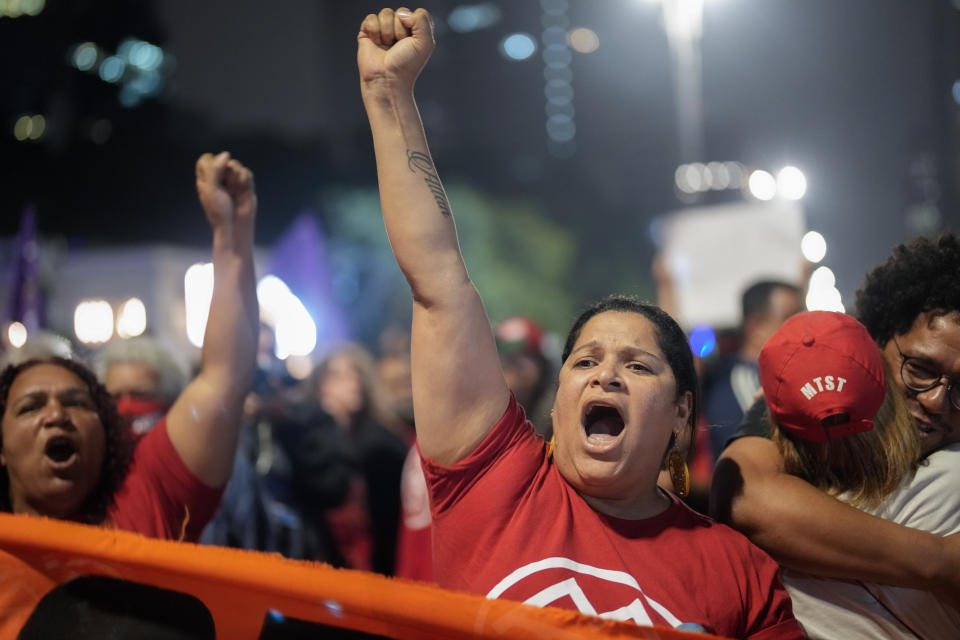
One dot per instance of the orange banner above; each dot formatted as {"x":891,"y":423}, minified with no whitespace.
{"x":246,"y":591}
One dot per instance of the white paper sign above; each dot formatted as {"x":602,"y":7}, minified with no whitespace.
{"x":713,"y":253}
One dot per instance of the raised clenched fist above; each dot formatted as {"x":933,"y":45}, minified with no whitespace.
{"x":392,"y":48}
{"x":226,"y":189}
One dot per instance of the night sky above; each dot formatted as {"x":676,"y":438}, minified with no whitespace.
{"x":855,"y":93}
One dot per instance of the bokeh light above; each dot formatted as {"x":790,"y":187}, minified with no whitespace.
{"x":132,"y":318}
{"x":22,"y":128}
{"x":822,"y":293}
{"x":583,"y":40}
{"x":294,"y":329}
{"x":560,"y":127}
{"x":145,"y":56}
{"x":38,"y":124}
{"x":85,"y":56}
{"x":682,"y":180}
{"x":813,"y":246}
{"x":823,"y":278}
{"x":762,"y":185}
{"x":197,"y":293}
{"x":112,"y":69}
{"x":473,"y":17}
{"x":825,"y":300}
{"x":93,"y":321}
{"x":558,"y":92}
{"x":518,"y":46}
{"x":735,"y":171}
{"x":16,"y":334}
{"x":720,"y":176}
{"x":32,"y":7}
{"x":698,"y":177}
{"x":791,"y":183}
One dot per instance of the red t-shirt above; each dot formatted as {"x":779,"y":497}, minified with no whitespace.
{"x":160,"y":497}
{"x":507,"y":525}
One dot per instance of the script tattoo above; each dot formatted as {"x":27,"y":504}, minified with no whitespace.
{"x":419,"y":161}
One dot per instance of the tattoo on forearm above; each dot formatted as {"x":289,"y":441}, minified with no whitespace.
{"x":419,"y":161}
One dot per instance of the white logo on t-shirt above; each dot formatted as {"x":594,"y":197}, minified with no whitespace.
{"x":570,"y":587}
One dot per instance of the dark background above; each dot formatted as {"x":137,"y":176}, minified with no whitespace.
{"x":858,"y":94}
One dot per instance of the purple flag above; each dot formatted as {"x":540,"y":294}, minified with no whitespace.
{"x":26,"y":296}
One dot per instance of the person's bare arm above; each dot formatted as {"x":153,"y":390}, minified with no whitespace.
{"x":458,"y":388}
{"x":204,"y":421}
{"x":808,"y":530}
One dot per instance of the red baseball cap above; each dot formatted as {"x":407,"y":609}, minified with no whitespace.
{"x":822,"y":376}
{"x":518,"y":333}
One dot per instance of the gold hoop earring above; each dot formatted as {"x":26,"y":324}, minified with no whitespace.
{"x":679,"y":473}
{"x":550,"y":447}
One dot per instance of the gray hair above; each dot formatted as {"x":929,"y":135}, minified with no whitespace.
{"x":40,"y":345}
{"x":170,"y":374}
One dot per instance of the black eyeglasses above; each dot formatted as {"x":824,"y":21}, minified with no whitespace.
{"x":918,"y":377}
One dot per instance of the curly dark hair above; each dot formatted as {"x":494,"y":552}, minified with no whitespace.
{"x":118,"y":438}
{"x":921,"y":276}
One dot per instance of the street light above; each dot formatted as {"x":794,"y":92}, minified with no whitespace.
{"x":683,"y":21}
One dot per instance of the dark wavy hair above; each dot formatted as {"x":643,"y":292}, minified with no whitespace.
{"x":670,"y":338}
{"x":921,"y":276}
{"x":118,"y":439}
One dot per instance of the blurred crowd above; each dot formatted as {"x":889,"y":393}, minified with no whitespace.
{"x":800,"y":480}
{"x":326,"y":467}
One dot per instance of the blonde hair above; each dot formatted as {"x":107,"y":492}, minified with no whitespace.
{"x":862,"y":469}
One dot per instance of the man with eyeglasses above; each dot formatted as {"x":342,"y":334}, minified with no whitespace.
{"x":934,"y":396}
{"x":920,"y":378}
{"x":911,"y":307}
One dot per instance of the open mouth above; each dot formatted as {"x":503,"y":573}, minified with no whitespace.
{"x":602,"y":422}
{"x":59,"y":449}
